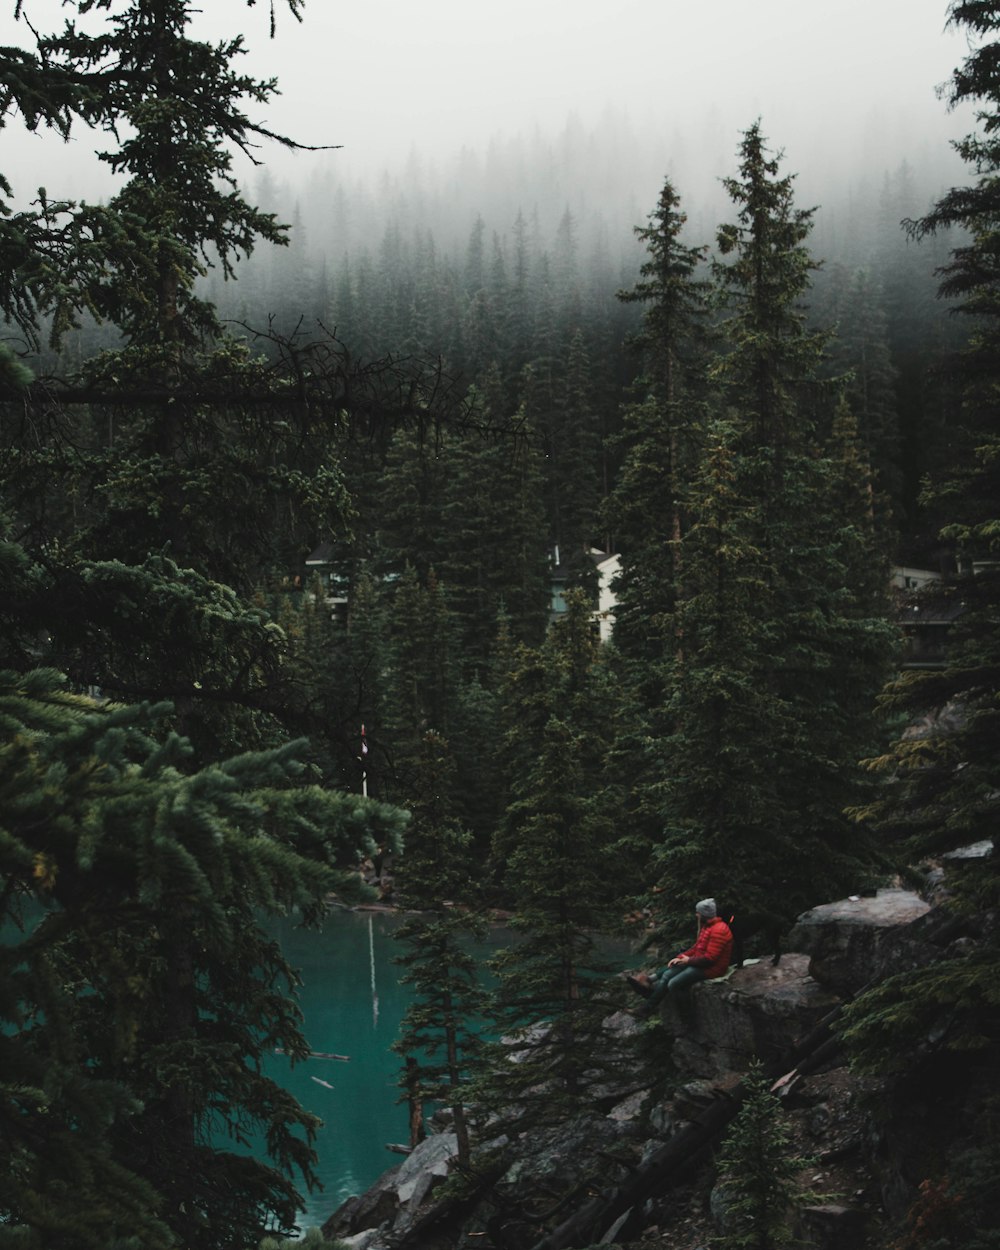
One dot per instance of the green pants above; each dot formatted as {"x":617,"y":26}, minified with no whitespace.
{"x":679,"y":977}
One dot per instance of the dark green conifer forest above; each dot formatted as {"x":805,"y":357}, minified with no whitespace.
{"x":388,"y":476}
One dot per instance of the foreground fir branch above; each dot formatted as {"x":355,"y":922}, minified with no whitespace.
{"x":141,"y":991}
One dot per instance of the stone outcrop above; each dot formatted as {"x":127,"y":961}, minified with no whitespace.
{"x":856,"y":941}
{"x":391,"y":1204}
{"x":758,"y":1012}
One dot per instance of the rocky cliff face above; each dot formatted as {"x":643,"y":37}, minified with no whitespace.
{"x":636,"y":1162}
{"x":757,"y":1012}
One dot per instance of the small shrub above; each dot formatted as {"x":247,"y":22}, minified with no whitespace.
{"x":757,"y":1174}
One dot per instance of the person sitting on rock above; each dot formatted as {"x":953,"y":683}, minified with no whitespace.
{"x":708,"y":958}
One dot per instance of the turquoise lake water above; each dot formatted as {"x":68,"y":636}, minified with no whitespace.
{"x":353,"y":1005}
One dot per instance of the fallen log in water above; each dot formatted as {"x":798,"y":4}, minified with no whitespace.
{"x":317,"y":1054}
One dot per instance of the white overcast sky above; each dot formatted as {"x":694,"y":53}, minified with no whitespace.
{"x":386,"y":77}
{"x":410,"y":71}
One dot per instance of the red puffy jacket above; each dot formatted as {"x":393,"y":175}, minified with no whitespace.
{"x":712,"y":949}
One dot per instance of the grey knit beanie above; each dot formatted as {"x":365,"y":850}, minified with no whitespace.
{"x":706,"y":908}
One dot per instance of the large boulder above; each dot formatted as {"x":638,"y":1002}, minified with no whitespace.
{"x":757,"y":1012}
{"x":857,"y":940}
{"x":395,"y":1198}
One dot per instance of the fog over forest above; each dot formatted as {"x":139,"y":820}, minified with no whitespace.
{"x":459,"y":113}
{"x":445,"y":111}
{"x":607,"y":174}
{"x":470,"y":142}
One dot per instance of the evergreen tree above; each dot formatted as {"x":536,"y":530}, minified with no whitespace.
{"x":438,"y":1035}
{"x":476,"y":748}
{"x":492,"y":529}
{"x":660,"y":438}
{"x":180,"y":198}
{"x":517,"y":319}
{"x":782,"y":646}
{"x":861,"y":350}
{"x":421,"y":678}
{"x":726,"y":823}
{"x":577,"y":435}
{"x":410,"y":494}
{"x":139,"y":1003}
{"x":475,"y":258}
{"x":426,"y":336}
{"x":327,"y":670}
{"x":770,"y":364}
{"x":758,"y":1174}
{"x":659,"y":445}
{"x":179,"y":448}
{"x":554,"y":846}
{"x":920,"y":337}
{"x":348,"y":670}
{"x":180,"y":441}
{"x":392,"y":293}
{"x":566,"y":275}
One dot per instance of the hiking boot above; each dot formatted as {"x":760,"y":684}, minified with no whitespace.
{"x":642,"y":988}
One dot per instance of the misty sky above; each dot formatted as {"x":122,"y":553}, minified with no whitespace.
{"x":396,"y":73}
{"x":829,"y":78}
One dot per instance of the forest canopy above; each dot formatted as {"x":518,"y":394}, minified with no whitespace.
{"x":553,"y":572}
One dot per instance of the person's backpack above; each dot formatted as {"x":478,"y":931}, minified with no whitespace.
{"x":745,"y":925}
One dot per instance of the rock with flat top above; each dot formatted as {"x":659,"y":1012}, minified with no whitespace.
{"x":855,"y":941}
{"x":758,"y":1012}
